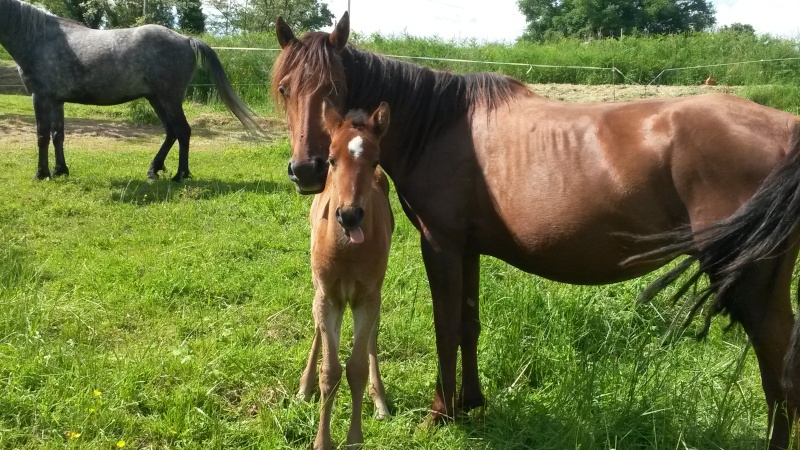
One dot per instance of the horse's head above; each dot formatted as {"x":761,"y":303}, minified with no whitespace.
{"x":353,"y":156}
{"x":307,"y":72}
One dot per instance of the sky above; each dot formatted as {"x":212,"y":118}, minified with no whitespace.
{"x":501,"y":20}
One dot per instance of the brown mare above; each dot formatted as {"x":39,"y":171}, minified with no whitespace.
{"x":351,"y":232}
{"x":484,"y":166}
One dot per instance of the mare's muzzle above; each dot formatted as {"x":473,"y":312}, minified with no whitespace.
{"x":350,"y":217}
{"x":308,"y":176}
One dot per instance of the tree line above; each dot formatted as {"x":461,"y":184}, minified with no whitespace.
{"x":546,"y":19}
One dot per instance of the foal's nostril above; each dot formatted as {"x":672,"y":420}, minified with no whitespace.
{"x":350,"y":218}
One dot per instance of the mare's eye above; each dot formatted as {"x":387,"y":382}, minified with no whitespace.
{"x":283,"y":91}
{"x":332,"y":162}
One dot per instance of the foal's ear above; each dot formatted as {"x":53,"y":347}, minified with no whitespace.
{"x":284,"y":32}
{"x":341,"y":33}
{"x":380,"y":119}
{"x":331,"y":120}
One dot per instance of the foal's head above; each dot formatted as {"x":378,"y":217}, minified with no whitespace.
{"x":353,"y":156}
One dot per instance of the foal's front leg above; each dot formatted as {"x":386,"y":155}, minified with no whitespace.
{"x":328,"y":314}
{"x":365,"y":315}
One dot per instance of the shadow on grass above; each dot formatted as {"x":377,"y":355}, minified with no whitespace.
{"x":516,"y":426}
{"x":164,"y":190}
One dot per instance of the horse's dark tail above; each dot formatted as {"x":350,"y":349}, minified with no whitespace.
{"x":210,"y":61}
{"x":760,"y":229}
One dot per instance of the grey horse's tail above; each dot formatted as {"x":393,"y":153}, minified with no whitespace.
{"x":210,"y":61}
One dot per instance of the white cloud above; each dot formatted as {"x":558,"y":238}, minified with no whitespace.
{"x":502,"y":21}
{"x":776,"y":17}
{"x":496,"y":21}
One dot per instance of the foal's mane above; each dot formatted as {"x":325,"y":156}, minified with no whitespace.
{"x":20,"y":18}
{"x":424,"y":102}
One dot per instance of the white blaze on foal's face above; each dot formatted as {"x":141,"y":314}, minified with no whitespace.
{"x":356,"y":147}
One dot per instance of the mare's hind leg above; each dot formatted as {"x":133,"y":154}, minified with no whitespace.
{"x":470,"y":396}
{"x":308,"y":380}
{"x":158,"y":162}
{"x":43,"y":109}
{"x":183,"y":132}
{"x":58,"y":140}
{"x":760,"y":302}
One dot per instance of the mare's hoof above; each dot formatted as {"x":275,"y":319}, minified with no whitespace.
{"x":60,"y":171}
{"x":180,"y":176}
{"x":469,"y":403}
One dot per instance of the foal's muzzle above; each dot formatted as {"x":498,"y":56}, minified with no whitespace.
{"x":308,"y":176}
{"x":350,"y":217}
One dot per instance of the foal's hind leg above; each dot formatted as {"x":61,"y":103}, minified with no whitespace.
{"x":308,"y":380}
{"x":58,"y":140}
{"x":377,"y":391}
{"x":760,"y":302}
{"x":43,"y":109}
{"x":158,"y":162}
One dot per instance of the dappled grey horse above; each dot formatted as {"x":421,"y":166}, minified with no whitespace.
{"x":63,"y":61}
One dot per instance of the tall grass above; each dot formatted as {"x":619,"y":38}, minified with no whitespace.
{"x":640,"y":59}
{"x":169,"y":315}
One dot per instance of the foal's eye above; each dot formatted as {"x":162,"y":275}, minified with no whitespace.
{"x":332,"y":162}
{"x":283,"y":91}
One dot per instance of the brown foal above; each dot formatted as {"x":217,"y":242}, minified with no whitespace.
{"x":348,"y":263}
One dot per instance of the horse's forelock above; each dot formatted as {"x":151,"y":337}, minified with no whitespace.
{"x":316,"y":62}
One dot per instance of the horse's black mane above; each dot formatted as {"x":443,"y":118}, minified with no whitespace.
{"x":428,"y":101}
{"x":20,"y":18}
{"x":423,"y":101}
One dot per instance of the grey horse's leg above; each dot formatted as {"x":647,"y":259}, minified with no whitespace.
{"x":43,"y":109}
{"x":158,"y":162}
{"x":57,"y":133}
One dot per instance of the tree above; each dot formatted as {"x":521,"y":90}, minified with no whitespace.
{"x":130,"y":13}
{"x":739,"y":28}
{"x":88,"y":12}
{"x":190,"y":16}
{"x":260,"y":15}
{"x":614,"y":17}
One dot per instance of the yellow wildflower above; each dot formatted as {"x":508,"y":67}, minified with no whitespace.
{"x":120,"y":444}
{"x":72,"y":434}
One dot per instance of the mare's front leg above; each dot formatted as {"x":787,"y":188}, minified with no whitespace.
{"x":328,"y":314}
{"x":43,"y":110}
{"x":365,"y":315}
{"x":376,"y":389}
{"x":445,"y":278}
{"x":470,"y":396}
{"x":58,"y":140}
{"x":308,"y":381}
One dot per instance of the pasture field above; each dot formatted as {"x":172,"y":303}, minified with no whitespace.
{"x":177,"y":316}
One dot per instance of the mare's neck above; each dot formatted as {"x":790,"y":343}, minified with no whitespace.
{"x":20,"y":26}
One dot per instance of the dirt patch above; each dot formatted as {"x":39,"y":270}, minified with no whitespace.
{"x":209,"y":130}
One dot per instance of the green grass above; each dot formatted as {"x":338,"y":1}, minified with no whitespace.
{"x":178,"y":316}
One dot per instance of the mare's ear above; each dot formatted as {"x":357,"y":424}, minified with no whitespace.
{"x":284,"y":32}
{"x":380,"y":119}
{"x":341,"y":33}
{"x":331,"y":120}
